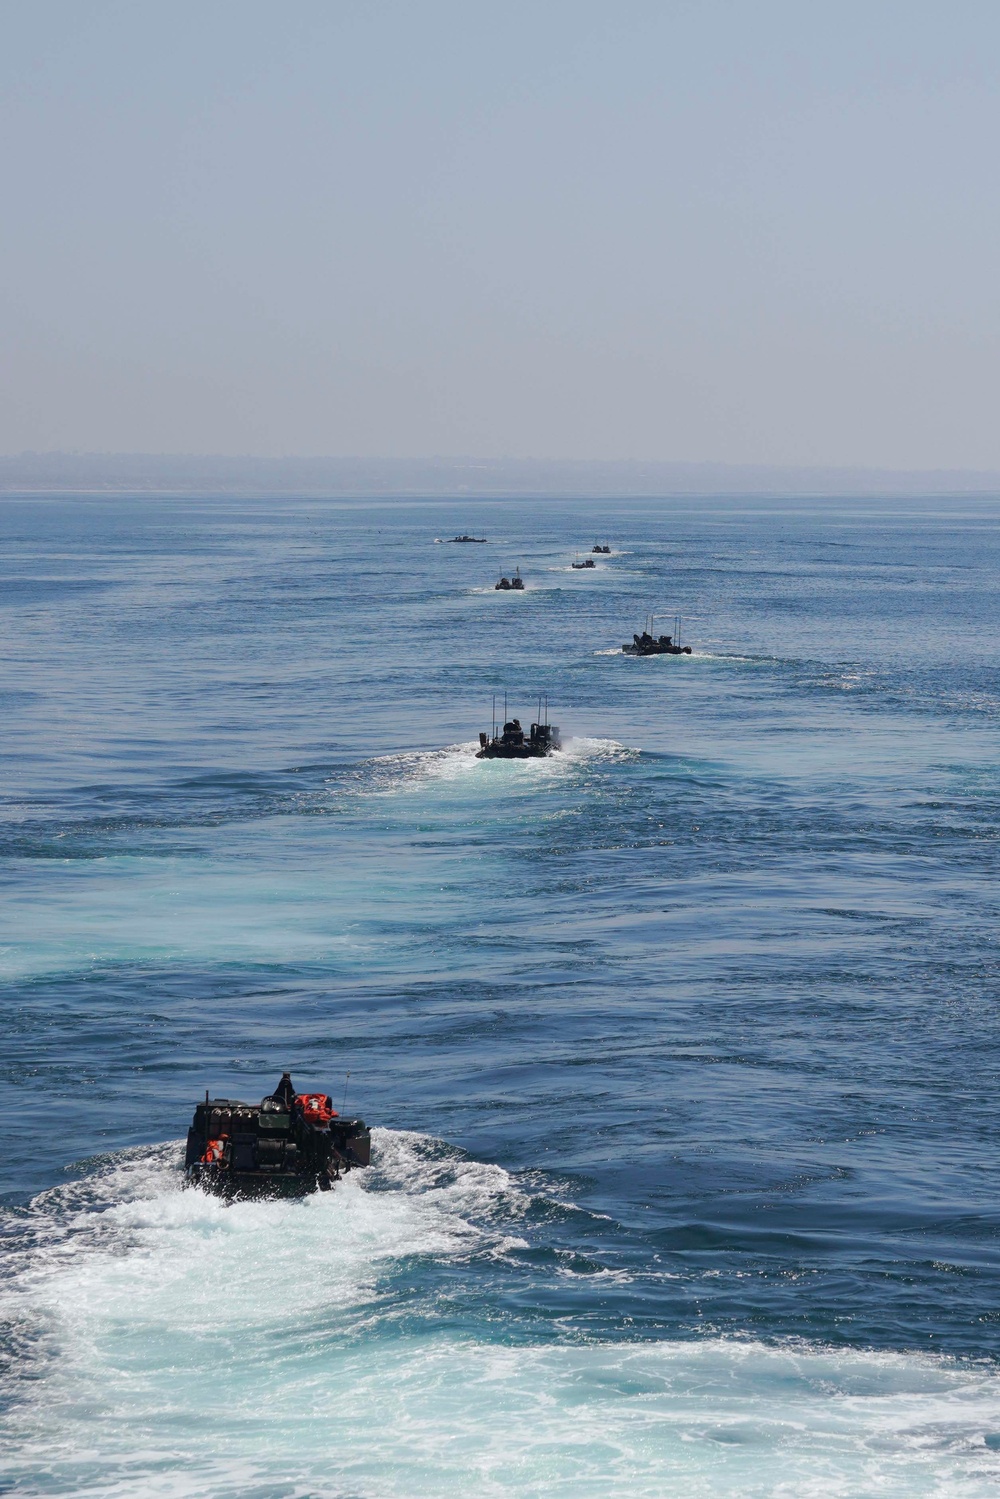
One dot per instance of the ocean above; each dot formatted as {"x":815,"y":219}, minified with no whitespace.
{"x":679,"y":1048}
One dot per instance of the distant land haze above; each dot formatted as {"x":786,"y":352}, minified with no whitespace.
{"x":342,"y":477}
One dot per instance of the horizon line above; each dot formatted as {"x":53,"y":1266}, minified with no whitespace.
{"x":444,"y":476}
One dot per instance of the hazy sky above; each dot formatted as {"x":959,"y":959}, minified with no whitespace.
{"x":739,"y":230}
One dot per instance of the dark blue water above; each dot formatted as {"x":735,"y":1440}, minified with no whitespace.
{"x":682,"y":1046}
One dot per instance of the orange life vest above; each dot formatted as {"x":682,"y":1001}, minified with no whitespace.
{"x":316,"y":1107}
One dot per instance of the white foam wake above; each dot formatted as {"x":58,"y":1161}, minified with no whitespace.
{"x":456,"y":763}
{"x":132,"y":1240}
{"x":191,"y":1351}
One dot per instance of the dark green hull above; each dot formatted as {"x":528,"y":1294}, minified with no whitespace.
{"x":288,"y":1145}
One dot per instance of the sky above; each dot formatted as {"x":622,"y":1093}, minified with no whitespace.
{"x":737,"y":231}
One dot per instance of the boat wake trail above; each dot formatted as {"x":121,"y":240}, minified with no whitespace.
{"x":178,"y":1347}
{"x":416,"y":770}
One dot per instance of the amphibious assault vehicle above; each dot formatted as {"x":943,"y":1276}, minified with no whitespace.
{"x":513,"y":744}
{"x":287,"y":1145}
{"x":648,"y":644}
{"x":515,"y":583}
{"x":651,"y":645}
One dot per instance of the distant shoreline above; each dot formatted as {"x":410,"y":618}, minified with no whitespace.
{"x":96,"y":474}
